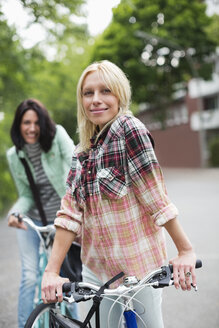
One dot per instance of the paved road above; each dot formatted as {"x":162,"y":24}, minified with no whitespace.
{"x":196,"y":194}
{"x":9,"y":276}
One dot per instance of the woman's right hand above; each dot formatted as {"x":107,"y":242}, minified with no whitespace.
{"x":13,"y":221}
{"x":51,"y":287}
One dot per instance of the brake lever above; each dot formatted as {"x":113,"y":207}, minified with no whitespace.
{"x":165,"y":277}
{"x":76,"y":296}
{"x":162,"y":278}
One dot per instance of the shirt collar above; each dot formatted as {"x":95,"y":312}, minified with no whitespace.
{"x":101,"y":138}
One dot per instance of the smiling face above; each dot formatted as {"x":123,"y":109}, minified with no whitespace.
{"x":30,"y":128}
{"x":99,"y":103}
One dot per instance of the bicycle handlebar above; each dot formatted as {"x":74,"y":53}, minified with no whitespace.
{"x":197,"y":265}
{"x":159,"y":278}
{"x":29,"y":221}
{"x":47,"y":228}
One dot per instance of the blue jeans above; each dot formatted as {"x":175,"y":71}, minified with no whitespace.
{"x":150,"y":312}
{"x":29,"y":242}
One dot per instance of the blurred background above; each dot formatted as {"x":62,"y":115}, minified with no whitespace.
{"x":169,"y":50}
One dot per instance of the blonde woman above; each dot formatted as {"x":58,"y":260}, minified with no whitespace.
{"x":116,"y":199}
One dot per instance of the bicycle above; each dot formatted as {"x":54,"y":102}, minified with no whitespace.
{"x":46,"y":236}
{"x":81,"y":291}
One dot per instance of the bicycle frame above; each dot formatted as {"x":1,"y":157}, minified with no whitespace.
{"x":130,"y":315}
{"x":45,"y":244}
{"x":130,"y":319}
{"x":42,"y":265}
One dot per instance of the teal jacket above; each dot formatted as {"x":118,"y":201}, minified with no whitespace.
{"x":56,"y":164}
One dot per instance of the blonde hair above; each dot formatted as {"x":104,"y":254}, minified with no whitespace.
{"x":116,"y":80}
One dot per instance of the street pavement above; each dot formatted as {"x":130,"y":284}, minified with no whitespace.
{"x":9,"y":276}
{"x":196,"y":194}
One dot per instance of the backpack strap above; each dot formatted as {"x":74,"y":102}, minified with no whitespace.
{"x":35,"y":191}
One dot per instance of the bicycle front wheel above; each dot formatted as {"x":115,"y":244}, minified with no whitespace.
{"x":39,"y":317}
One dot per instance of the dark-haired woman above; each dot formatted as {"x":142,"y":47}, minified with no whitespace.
{"x":48,"y":150}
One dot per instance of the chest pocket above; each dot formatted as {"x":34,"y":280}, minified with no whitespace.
{"x":112,"y":182}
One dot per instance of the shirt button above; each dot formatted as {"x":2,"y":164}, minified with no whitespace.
{"x":89,"y":172}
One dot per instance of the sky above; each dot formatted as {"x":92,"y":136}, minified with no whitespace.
{"x":212,"y":7}
{"x":99,"y":15}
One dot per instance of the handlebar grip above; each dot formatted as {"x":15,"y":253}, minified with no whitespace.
{"x":66,"y":287}
{"x":197,"y":265}
{"x":18,"y":216}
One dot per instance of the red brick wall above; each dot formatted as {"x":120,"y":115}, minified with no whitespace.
{"x":177,"y":146}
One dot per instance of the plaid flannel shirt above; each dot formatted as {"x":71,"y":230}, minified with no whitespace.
{"x":116,"y":201}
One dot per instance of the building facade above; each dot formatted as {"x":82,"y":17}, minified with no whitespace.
{"x":190,"y":122}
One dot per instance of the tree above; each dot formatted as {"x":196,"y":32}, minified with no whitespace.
{"x":213,"y":29}
{"x":53,"y":79}
{"x":7,"y":190}
{"x":13,"y":80}
{"x":157,"y":43}
{"x":54,"y":82}
{"x":26,"y":73}
{"x":54,"y":15}
{"x":13,"y":70}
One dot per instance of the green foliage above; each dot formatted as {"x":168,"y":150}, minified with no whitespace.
{"x":54,"y":15}
{"x":7,"y":191}
{"x":13,"y":69}
{"x":213,"y":29}
{"x":14,"y":78}
{"x":54,"y":82}
{"x":26,"y":73}
{"x":214,"y":151}
{"x":139,"y":32}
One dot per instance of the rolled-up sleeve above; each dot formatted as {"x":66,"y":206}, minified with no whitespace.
{"x":146,"y":175}
{"x":69,"y":216}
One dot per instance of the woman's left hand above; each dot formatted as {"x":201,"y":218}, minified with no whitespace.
{"x":184,"y":270}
